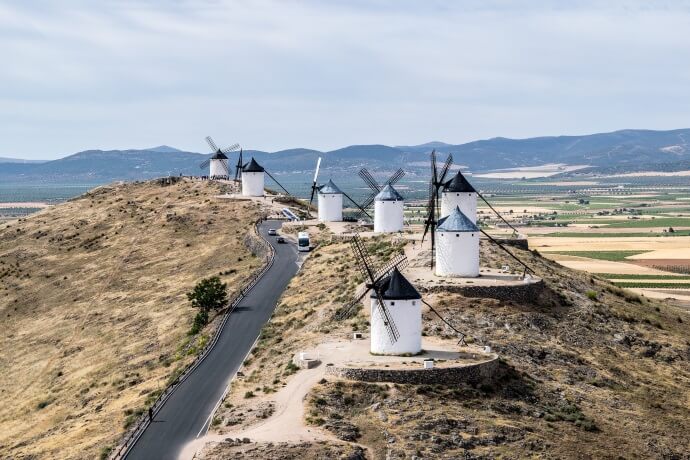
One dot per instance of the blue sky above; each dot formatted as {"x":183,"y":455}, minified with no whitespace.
{"x":277,"y":74}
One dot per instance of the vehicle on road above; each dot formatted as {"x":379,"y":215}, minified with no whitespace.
{"x":280,"y":240}
{"x":272,"y":231}
{"x":303,"y":241}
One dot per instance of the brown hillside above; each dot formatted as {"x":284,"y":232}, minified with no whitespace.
{"x":93,"y":308}
{"x":591,"y":371}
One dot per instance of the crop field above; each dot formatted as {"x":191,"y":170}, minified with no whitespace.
{"x":634,"y":231}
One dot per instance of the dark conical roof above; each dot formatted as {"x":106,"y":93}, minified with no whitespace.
{"x":252,"y":166}
{"x":388,"y":193}
{"x":456,"y":221}
{"x":219,"y":156}
{"x":330,"y":188}
{"x":396,"y":287}
{"x":458,"y":184}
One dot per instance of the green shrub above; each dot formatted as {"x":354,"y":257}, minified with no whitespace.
{"x":592,"y":295}
{"x":209,"y":294}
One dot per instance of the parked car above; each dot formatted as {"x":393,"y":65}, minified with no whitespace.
{"x":281,"y":240}
{"x":272,"y":231}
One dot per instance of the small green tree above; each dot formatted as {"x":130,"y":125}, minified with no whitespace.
{"x":209,"y":294}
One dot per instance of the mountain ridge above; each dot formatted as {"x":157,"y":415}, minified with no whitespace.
{"x":627,"y":149}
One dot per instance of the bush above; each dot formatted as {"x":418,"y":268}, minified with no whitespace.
{"x":200,"y":320}
{"x":592,"y":295}
{"x":209,"y":294}
{"x":249,"y":394}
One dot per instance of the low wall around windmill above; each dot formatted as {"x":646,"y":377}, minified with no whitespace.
{"x":522,"y":292}
{"x":471,"y":374}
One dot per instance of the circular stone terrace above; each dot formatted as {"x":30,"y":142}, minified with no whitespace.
{"x":452,"y":363}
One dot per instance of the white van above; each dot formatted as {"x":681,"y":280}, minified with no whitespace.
{"x":303,"y":241}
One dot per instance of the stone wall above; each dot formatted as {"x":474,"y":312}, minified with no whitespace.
{"x":471,"y":374}
{"x":517,"y":292}
{"x":255,"y":244}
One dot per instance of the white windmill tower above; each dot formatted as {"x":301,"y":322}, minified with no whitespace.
{"x":330,"y":203}
{"x":458,"y":192}
{"x":252,"y":179}
{"x":457,"y":246}
{"x":396,"y":306}
{"x":404,"y":306}
{"x":218,"y":163}
{"x":389,"y":212}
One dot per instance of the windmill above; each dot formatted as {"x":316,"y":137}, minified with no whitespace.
{"x":435,"y":183}
{"x":218,"y":161}
{"x":375,"y":188}
{"x":316,"y":188}
{"x":402,"y":322}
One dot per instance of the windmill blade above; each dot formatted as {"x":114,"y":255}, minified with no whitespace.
{"x":391,"y":328}
{"x":212,"y":144}
{"x":204,"y":164}
{"x":316,"y":173}
{"x":362,"y":258}
{"x":434,"y":175}
{"x":369,"y":180}
{"x":279,"y":184}
{"x":444,"y":170}
{"x":366,"y":204}
{"x":238,"y":167}
{"x":362,"y":210}
{"x":232,"y":148}
{"x":224,"y":165}
{"x":400,"y":262}
{"x":431,"y":211}
{"x":396,"y":177}
{"x":313,"y":185}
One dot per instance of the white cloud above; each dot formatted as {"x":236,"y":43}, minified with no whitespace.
{"x":275,"y":74}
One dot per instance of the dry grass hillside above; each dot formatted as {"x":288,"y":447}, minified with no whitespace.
{"x":93,"y":308}
{"x":589,"y":371}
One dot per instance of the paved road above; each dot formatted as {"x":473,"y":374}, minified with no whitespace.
{"x":185,"y":415}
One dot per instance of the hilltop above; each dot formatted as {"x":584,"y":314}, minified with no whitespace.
{"x":625,"y":150}
{"x":94,"y":311}
{"x":588,"y":371}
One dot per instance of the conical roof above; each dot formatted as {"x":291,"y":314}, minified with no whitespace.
{"x":456,"y":221}
{"x":458,"y":184}
{"x":252,"y":166}
{"x":219,"y":156}
{"x":396,"y":287}
{"x":330,"y":188}
{"x":388,"y":193}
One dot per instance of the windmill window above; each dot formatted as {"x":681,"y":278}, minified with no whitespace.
{"x":392,"y":303}
{"x":457,"y":235}
{"x":414,"y":302}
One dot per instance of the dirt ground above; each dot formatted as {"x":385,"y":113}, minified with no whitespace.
{"x":585,"y":365}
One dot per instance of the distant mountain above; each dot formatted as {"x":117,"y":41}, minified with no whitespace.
{"x":19,"y":160}
{"x":164,"y":149}
{"x":619,"y":151}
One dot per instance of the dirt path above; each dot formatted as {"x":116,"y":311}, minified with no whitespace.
{"x":285,"y":425}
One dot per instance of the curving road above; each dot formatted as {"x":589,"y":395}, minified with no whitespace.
{"x":186,"y":414}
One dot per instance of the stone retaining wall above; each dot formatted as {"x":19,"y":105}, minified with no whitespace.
{"x":517,"y":292}
{"x":471,"y":374}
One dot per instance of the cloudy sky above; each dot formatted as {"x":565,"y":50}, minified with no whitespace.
{"x":77,"y":75}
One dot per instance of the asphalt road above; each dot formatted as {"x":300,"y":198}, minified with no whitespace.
{"x":186,"y":414}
